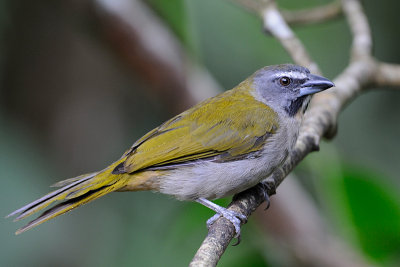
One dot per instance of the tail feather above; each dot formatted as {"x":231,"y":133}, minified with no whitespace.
{"x":68,"y":205}
{"x":74,"y":179}
{"x":97,"y":182}
{"x":47,"y":199}
{"x":77,"y":191}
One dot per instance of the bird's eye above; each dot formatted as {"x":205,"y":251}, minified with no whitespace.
{"x":285,"y":81}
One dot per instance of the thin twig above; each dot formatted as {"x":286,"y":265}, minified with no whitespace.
{"x":222,"y":231}
{"x":358,"y":23}
{"x":275,"y":24}
{"x":127,"y":36}
{"x":313,"y":15}
{"x":152,"y":52}
{"x":324,"y":109}
{"x":297,"y":17}
{"x":387,"y":75}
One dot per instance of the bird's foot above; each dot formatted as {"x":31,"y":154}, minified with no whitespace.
{"x":234,"y":217}
{"x":266,"y":187}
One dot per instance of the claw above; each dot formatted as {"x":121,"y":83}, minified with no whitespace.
{"x":264,"y":187}
{"x":267,"y":200}
{"x":238,"y":241}
{"x":234,"y":217}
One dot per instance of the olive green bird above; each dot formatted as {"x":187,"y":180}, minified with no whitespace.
{"x":219,"y":147}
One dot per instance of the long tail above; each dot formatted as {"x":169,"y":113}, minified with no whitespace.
{"x":74,"y":192}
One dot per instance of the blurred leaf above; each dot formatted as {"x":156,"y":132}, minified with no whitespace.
{"x":359,"y":203}
{"x":244,"y":255}
{"x":374,"y":210}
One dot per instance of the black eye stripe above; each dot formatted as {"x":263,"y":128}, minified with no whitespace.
{"x":303,"y":80}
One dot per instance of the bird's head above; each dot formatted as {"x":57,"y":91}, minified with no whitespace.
{"x":288,"y":88}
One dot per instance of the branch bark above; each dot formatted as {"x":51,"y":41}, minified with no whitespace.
{"x":122,"y":28}
{"x":313,"y":15}
{"x":387,"y":75}
{"x":152,"y":52}
{"x":297,"y":17}
{"x":275,"y":24}
{"x":222,"y":231}
{"x":320,"y":120}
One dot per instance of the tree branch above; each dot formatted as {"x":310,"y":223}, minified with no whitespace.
{"x":320,"y":119}
{"x":122,"y":27}
{"x":222,"y":231}
{"x":387,"y":75}
{"x":275,"y":24}
{"x":297,"y":17}
{"x":313,"y":15}
{"x":149,"y":49}
{"x":358,"y":23}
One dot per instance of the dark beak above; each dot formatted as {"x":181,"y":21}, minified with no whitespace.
{"x":315,"y":84}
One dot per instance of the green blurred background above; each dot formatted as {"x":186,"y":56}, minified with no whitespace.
{"x":70,"y":105}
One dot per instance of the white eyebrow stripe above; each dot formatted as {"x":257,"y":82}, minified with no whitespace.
{"x":292,"y":74}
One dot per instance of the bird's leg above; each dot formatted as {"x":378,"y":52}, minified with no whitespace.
{"x":234,"y":217}
{"x":266,"y":187}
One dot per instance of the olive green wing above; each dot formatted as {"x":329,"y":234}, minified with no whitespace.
{"x":229,"y":125}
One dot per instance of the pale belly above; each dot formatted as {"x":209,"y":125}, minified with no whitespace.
{"x":212,"y":180}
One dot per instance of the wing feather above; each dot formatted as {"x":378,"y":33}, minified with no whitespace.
{"x":229,"y":125}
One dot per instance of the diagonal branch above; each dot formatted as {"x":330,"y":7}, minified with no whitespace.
{"x":222,"y":231}
{"x":358,"y":23}
{"x":275,"y":24}
{"x":387,"y":75}
{"x":313,"y":15}
{"x":152,"y":52}
{"x":320,"y":119}
{"x":297,"y":17}
{"x":127,"y":37}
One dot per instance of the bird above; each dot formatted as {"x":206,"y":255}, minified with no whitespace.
{"x":218,"y":148}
